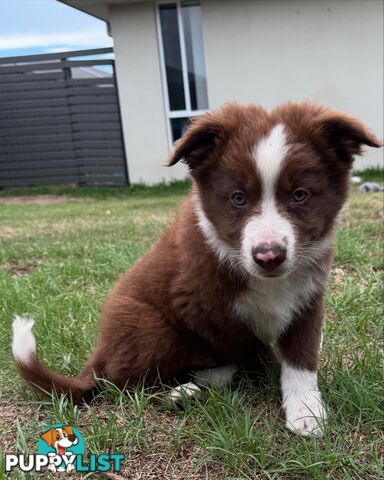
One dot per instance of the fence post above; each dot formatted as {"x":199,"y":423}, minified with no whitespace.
{"x":126,"y":169}
{"x":67,"y":76}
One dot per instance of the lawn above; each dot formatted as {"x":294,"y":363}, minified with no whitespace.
{"x":59,"y":256}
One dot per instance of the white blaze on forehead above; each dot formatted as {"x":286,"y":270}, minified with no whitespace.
{"x":269,"y":156}
{"x":269,"y":225}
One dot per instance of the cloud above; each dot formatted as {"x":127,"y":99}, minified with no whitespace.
{"x":89,"y":39}
{"x":61,"y":48}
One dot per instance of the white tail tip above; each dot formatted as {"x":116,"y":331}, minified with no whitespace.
{"x":23,"y":341}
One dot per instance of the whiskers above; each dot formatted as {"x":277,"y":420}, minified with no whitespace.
{"x":232,"y":261}
{"x":310,"y":253}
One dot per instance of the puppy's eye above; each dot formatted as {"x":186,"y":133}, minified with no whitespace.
{"x":300,"y":195}
{"x":238,"y":199}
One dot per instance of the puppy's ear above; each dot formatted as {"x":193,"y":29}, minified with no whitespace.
{"x":200,"y":139}
{"x":346,"y":135}
{"x":49,"y":437}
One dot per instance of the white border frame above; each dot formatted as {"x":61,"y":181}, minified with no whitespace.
{"x":170,"y":114}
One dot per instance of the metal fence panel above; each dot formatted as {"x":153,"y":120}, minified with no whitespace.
{"x":60,"y":121}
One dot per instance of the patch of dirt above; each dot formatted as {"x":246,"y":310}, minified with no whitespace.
{"x":160,"y":465}
{"x":159,"y":462}
{"x":161,"y":459}
{"x":34,"y":199}
{"x":18,"y":269}
{"x":338,"y":275}
{"x":10,"y":414}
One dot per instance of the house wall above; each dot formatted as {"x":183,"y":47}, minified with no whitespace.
{"x":140,"y":90}
{"x":269,"y":52}
{"x":262,"y":51}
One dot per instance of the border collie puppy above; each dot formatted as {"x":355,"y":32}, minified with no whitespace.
{"x":244,"y":263}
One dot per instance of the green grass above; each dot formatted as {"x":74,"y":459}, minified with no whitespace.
{"x":57,"y":262}
{"x":372,"y":174}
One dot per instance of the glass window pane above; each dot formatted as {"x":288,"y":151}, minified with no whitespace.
{"x":193,"y":35}
{"x":172,"y":56}
{"x":178,"y":126}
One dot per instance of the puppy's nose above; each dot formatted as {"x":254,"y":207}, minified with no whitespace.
{"x":269,"y":255}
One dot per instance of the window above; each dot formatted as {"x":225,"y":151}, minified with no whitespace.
{"x":183,"y":64}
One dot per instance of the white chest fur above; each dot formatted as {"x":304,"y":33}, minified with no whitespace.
{"x":268,"y":306}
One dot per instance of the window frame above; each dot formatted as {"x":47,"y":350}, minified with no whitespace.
{"x":187,"y":112}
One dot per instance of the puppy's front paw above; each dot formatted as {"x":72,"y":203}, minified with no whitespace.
{"x":304,"y":411}
{"x":305,"y":415}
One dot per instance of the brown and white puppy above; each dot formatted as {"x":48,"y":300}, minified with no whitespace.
{"x":244,"y":264}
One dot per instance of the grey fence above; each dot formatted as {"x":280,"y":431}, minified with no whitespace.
{"x":60,"y":121}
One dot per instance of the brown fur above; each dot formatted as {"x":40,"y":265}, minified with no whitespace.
{"x":300,"y":344}
{"x":169,"y":314}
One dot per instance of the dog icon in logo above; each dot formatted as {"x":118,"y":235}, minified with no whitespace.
{"x":61,"y":439}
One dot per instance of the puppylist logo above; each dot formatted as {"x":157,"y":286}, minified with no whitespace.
{"x":61,"y":448}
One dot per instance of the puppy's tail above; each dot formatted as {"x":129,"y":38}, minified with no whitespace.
{"x":37,"y":375}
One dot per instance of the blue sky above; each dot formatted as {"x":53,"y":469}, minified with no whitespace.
{"x":47,"y":26}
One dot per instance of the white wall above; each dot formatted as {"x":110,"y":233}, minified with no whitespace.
{"x":269,"y":52}
{"x":140,"y":90}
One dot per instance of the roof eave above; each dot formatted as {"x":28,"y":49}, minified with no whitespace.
{"x":96,"y":8}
